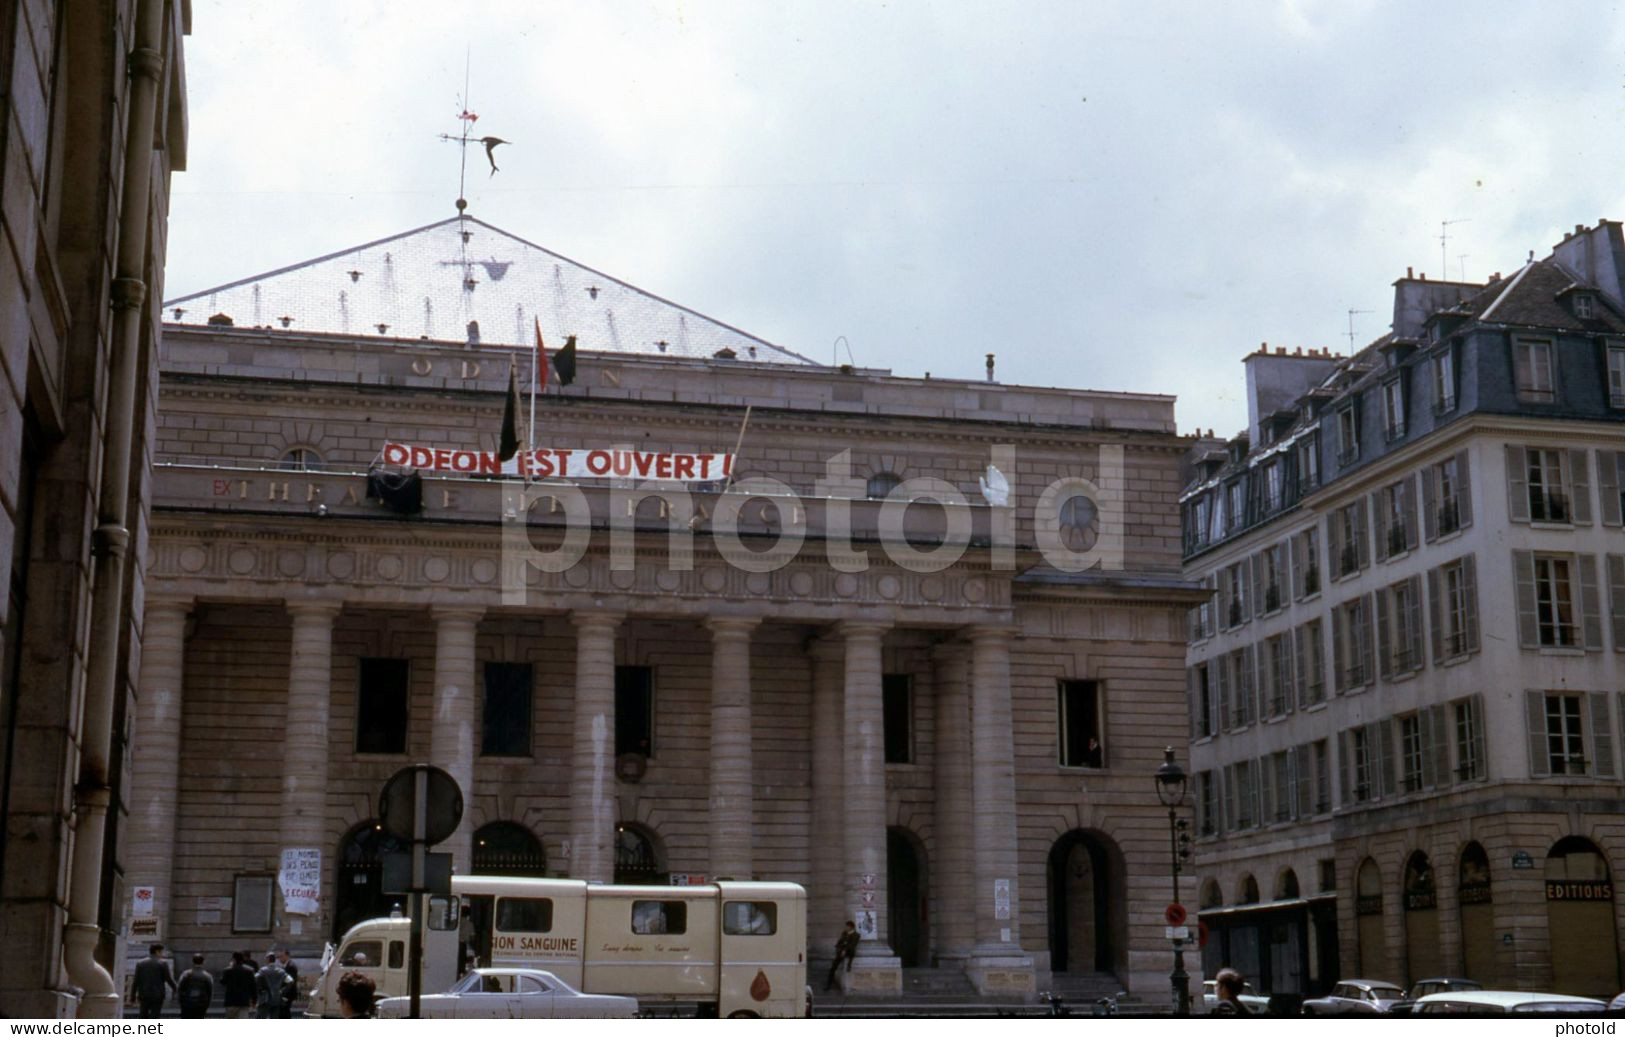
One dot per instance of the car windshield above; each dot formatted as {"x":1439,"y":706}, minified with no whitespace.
{"x":1386,"y":993}
{"x":468,"y":984}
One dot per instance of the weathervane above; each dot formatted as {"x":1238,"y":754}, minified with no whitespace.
{"x":468,"y":118}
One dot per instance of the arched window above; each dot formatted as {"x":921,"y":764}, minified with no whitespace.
{"x":1286,"y":885}
{"x":1078,"y":522}
{"x":1211,"y":895}
{"x":300,"y":459}
{"x":881,"y":484}
{"x":638,"y":860}
{"x":1419,"y":894}
{"x":506,"y":848}
{"x":1247,"y":892}
{"x":359,"y":892}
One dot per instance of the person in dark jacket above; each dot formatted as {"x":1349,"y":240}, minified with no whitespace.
{"x":153,"y":981}
{"x":238,"y":983}
{"x":357,"y":996}
{"x":291,"y":994}
{"x":1229,"y":984}
{"x":846,"y":948}
{"x":195,"y":991}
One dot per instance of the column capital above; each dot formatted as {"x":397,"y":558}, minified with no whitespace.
{"x":596,"y":619}
{"x":329,"y":607}
{"x":467,"y":613}
{"x":984,"y":634}
{"x":853,"y":629}
{"x":165,"y":602}
{"x":732,"y":626}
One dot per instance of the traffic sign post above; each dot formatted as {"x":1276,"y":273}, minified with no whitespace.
{"x":422,"y":804}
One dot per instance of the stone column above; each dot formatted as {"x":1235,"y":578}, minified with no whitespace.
{"x":155,"y":753}
{"x":592,"y":794}
{"x":826,"y":851}
{"x":997,"y":963}
{"x":952,"y":874}
{"x":732,"y":782}
{"x":456,"y":717}
{"x":877,"y":969}
{"x":304,"y":747}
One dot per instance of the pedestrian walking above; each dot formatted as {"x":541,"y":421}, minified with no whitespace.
{"x":195,"y":991}
{"x":291,"y":994}
{"x":238,"y":983}
{"x":153,"y":981}
{"x":1229,"y":984}
{"x":846,"y":948}
{"x":270,"y":986}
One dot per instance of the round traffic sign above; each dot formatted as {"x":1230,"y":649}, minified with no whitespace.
{"x":442,"y":803}
{"x":1174,"y":915}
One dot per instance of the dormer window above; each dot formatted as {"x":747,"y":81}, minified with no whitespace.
{"x":1583,"y":307}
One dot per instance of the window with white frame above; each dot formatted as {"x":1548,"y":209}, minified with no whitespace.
{"x":1351,"y":643}
{"x":1456,"y":610}
{"x":1583,"y":305}
{"x":1311,"y":660}
{"x":1233,"y":580}
{"x":1534,"y":367}
{"x":1309,"y":462}
{"x":1237,"y":512}
{"x":1360,"y":765}
{"x":1241,"y":685}
{"x":1348,"y":434}
{"x":1322,"y":754}
{"x":1278,"y":674}
{"x":1548,"y":489}
{"x":1348,"y":538}
{"x":1206,"y":802}
{"x":1305,"y":552}
{"x":1469,"y":717}
{"x":1393,"y":505}
{"x":1554,"y":602}
{"x":1199,"y":521}
{"x":1400,"y":616}
{"x":1616,"y":374}
{"x":1565,"y":741}
{"x":1243,"y":779}
{"x":1281,"y":779}
{"x":1444,"y":381}
{"x":1272,"y":578}
{"x":1393,"y":408}
{"x":1445,"y":508}
{"x":1411,"y":748}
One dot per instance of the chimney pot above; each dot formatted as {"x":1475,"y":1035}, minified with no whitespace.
{"x":1280,"y":351}
{"x":1579,"y":228}
{"x":1423,"y":276}
{"x":1410,"y":272}
{"x":990,"y":367}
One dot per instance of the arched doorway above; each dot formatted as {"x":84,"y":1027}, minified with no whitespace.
{"x":638,"y":861}
{"x":1423,"y":956}
{"x":906,"y":898}
{"x":1580,"y":919}
{"x":1375,"y":961}
{"x":1477,"y":914}
{"x":506,"y":848}
{"x":358,"y":893}
{"x":1088,"y":912}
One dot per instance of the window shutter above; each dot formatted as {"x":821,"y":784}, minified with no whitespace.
{"x":1286,"y":674}
{"x":1247,"y":692}
{"x":1193,"y":701}
{"x":1255,"y":597}
{"x":1345,"y":756}
{"x":1223,"y":604}
{"x":1517,"y":484}
{"x":1407,"y":509}
{"x":1334,"y":545}
{"x":1580,"y":487}
{"x":1301,"y":664}
{"x":1601,"y":725}
{"x":1303,"y":779}
{"x":1379,"y":522}
{"x":1477,"y":735}
{"x":1339,"y":672}
{"x":1413,"y":622}
{"x":1365,"y":641}
{"x":1523,"y":578}
{"x":1469,"y":596}
{"x":1439,"y":720}
{"x":1436,"y":612}
{"x":1229,"y":820}
{"x":1383,"y":737}
{"x":1362,"y":547}
{"x":1293,"y":551}
{"x":1429,"y":774}
{"x":1385,"y":639}
{"x":1590,"y":602}
{"x":1258,"y":791}
{"x":1540,"y":764}
{"x":1464,"y":492}
{"x":1608,"y":486}
{"x":1616,"y":599}
{"x":1430,"y":503}
{"x":1221,"y":670}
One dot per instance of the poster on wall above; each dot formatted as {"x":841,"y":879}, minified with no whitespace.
{"x":141,"y":899}
{"x":301,"y":881}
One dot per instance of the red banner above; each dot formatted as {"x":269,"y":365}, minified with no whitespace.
{"x":559,"y":463}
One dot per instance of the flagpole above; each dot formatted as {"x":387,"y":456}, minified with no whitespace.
{"x":535,"y":362}
{"x":739,"y":442}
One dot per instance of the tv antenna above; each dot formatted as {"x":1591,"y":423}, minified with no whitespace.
{"x":1444,"y":236}
{"x":1461,"y":262}
{"x":1351,"y":328}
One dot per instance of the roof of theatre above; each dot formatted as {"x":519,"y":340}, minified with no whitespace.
{"x":461,"y":278}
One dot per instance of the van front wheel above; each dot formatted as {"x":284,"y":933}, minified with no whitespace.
{"x":743,"y":1013}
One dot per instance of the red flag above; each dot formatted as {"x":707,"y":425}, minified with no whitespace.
{"x":541,"y":355}
{"x":468,"y":116}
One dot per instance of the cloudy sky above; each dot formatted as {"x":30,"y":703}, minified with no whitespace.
{"x":1124,"y":196}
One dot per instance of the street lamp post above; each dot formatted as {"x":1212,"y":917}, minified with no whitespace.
{"x":1171,"y":791}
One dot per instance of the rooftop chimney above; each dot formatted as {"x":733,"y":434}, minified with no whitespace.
{"x":990,"y":367}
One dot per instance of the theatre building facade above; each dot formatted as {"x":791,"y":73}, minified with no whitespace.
{"x":922,"y":656}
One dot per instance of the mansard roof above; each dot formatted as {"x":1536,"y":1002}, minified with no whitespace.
{"x":432,"y":282}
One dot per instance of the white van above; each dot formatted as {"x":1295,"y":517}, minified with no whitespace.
{"x":729,"y":948}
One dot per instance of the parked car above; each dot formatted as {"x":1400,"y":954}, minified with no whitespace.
{"x":1256,"y":1003}
{"x":1423,"y":987}
{"x":1356,"y":997}
{"x":1506,"y":1002}
{"x":512,"y":994}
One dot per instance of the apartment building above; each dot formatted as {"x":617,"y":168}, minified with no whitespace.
{"x":1405,"y":690}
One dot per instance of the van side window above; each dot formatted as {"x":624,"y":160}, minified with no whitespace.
{"x":651,"y":917}
{"x":525,"y":914}
{"x":397,"y":954}
{"x":750,"y":918}
{"x":363,"y":954}
{"x":443,"y":911}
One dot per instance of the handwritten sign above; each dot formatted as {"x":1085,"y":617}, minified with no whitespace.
{"x":141,"y":901}
{"x":561,"y":463}
{"x":301,"y":881}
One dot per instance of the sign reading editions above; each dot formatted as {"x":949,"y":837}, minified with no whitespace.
{"x":558,"y":463}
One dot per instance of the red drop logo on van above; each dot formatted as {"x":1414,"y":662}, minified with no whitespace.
{"x":760,"y":988}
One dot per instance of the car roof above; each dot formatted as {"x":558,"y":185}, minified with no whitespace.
{"x":1445,"y":979}
{"x":1370,"y":983}
{"x":1504,"y":998}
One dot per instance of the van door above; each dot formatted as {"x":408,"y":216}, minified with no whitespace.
{"x":762,"y":971}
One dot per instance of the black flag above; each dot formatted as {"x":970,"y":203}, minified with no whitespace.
{"x":565,"y":362}
{"x":509,"y":445}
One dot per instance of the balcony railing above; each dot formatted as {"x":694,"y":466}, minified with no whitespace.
{"x":1398,"y":541}
{"x":1549,"y":507}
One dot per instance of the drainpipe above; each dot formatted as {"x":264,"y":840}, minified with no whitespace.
{"x":111,"y":540}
